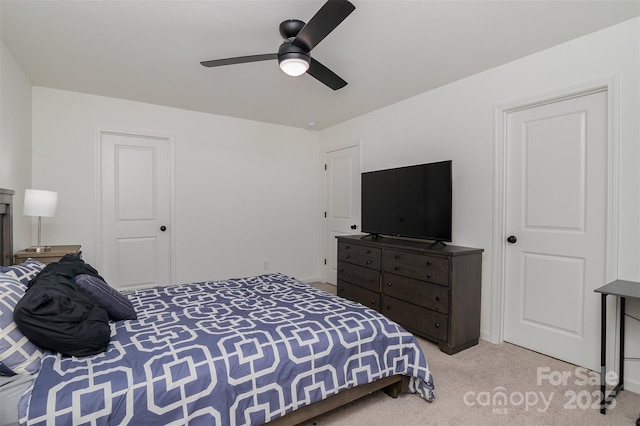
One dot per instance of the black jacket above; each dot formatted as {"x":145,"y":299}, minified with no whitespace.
{"x":55,"y":314}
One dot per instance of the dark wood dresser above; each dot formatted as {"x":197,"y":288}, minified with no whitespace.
{"x":432,"y":292}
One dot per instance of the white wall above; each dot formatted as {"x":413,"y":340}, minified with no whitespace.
{"x":245,"y":192}
{"x":456,"y":122}
{"x":15,"y":140}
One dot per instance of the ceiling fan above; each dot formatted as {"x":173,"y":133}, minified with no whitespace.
{"x":294,"y":55}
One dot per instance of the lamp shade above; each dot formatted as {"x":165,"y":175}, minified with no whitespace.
{"x":41,"y":203}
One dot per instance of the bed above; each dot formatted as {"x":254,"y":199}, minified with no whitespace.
{"x":264,"y":349}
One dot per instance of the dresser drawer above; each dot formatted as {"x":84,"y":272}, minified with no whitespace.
{"x":431,"y":296}
{"x":369,"y":262}
{"x":416,"y":318}
{"x":359,"y":275}
{"x":369,"y":257}
{"x":420,"y":273}
{"x":417,"y":260}
{"x":347,"y":252}
{"x":358,"y":294}
{"x":370,"y":252}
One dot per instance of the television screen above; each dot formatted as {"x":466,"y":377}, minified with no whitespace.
{"x":413,"y":201}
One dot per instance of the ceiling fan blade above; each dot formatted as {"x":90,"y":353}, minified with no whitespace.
{"x":323,"y":22}
{"x":325,"y":76}
{"x":239,"y":60}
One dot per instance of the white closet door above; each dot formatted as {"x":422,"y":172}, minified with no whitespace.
{"x":342,"y":201}
{"x":556,"y":209}
{"x":135,"y":200}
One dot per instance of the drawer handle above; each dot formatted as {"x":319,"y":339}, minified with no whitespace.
{"x":428,"y":275}
{"x":437,"y":298}
{"x":348,"y":256}
{"x":373,"y":280}
{"x":437,"y":325}
{"x":373,"y":302}
{"x":428,"y":262}
{"x":389,"y":283}
{"x":368,"y":262}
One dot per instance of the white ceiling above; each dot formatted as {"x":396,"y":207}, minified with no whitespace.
{"x":387,"y":50}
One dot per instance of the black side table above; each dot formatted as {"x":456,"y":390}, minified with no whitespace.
{"x":621,"y":289}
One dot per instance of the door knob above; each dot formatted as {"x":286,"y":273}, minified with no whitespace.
{"x":354,"y":226}
{"x":163,"y":228}
{"x":512,"y":239}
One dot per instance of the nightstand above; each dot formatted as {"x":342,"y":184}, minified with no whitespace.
{"x":50,"y":256}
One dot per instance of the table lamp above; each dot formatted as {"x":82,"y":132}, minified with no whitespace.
{"x":42,"y":204}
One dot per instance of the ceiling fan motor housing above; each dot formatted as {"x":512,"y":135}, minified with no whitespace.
{"x":289,"y":51}
{"x":290,"y":28}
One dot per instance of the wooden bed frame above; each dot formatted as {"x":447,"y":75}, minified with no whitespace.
{"x":392,"y":386}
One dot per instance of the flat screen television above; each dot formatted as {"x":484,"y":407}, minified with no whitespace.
{"x":413,"y":201}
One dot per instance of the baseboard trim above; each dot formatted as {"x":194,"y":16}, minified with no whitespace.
{"x":632,"y":386}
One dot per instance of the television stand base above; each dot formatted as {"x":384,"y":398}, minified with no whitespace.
{"x":372,"y":236}
{"x":437,"y":245}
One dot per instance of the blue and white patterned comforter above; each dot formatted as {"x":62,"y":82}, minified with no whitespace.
{"x":233,"y":352}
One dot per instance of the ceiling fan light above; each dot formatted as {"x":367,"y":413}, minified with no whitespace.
{"x":294,"y":66}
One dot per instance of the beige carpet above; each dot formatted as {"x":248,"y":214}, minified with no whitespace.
{"x":468,"y":387}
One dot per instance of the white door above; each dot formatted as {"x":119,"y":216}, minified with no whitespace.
{"x":556,"y":211}
{"x":135,"y":210}
{"x":342,"y":201}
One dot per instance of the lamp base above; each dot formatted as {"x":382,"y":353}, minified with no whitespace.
{"x":39,"y":249}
